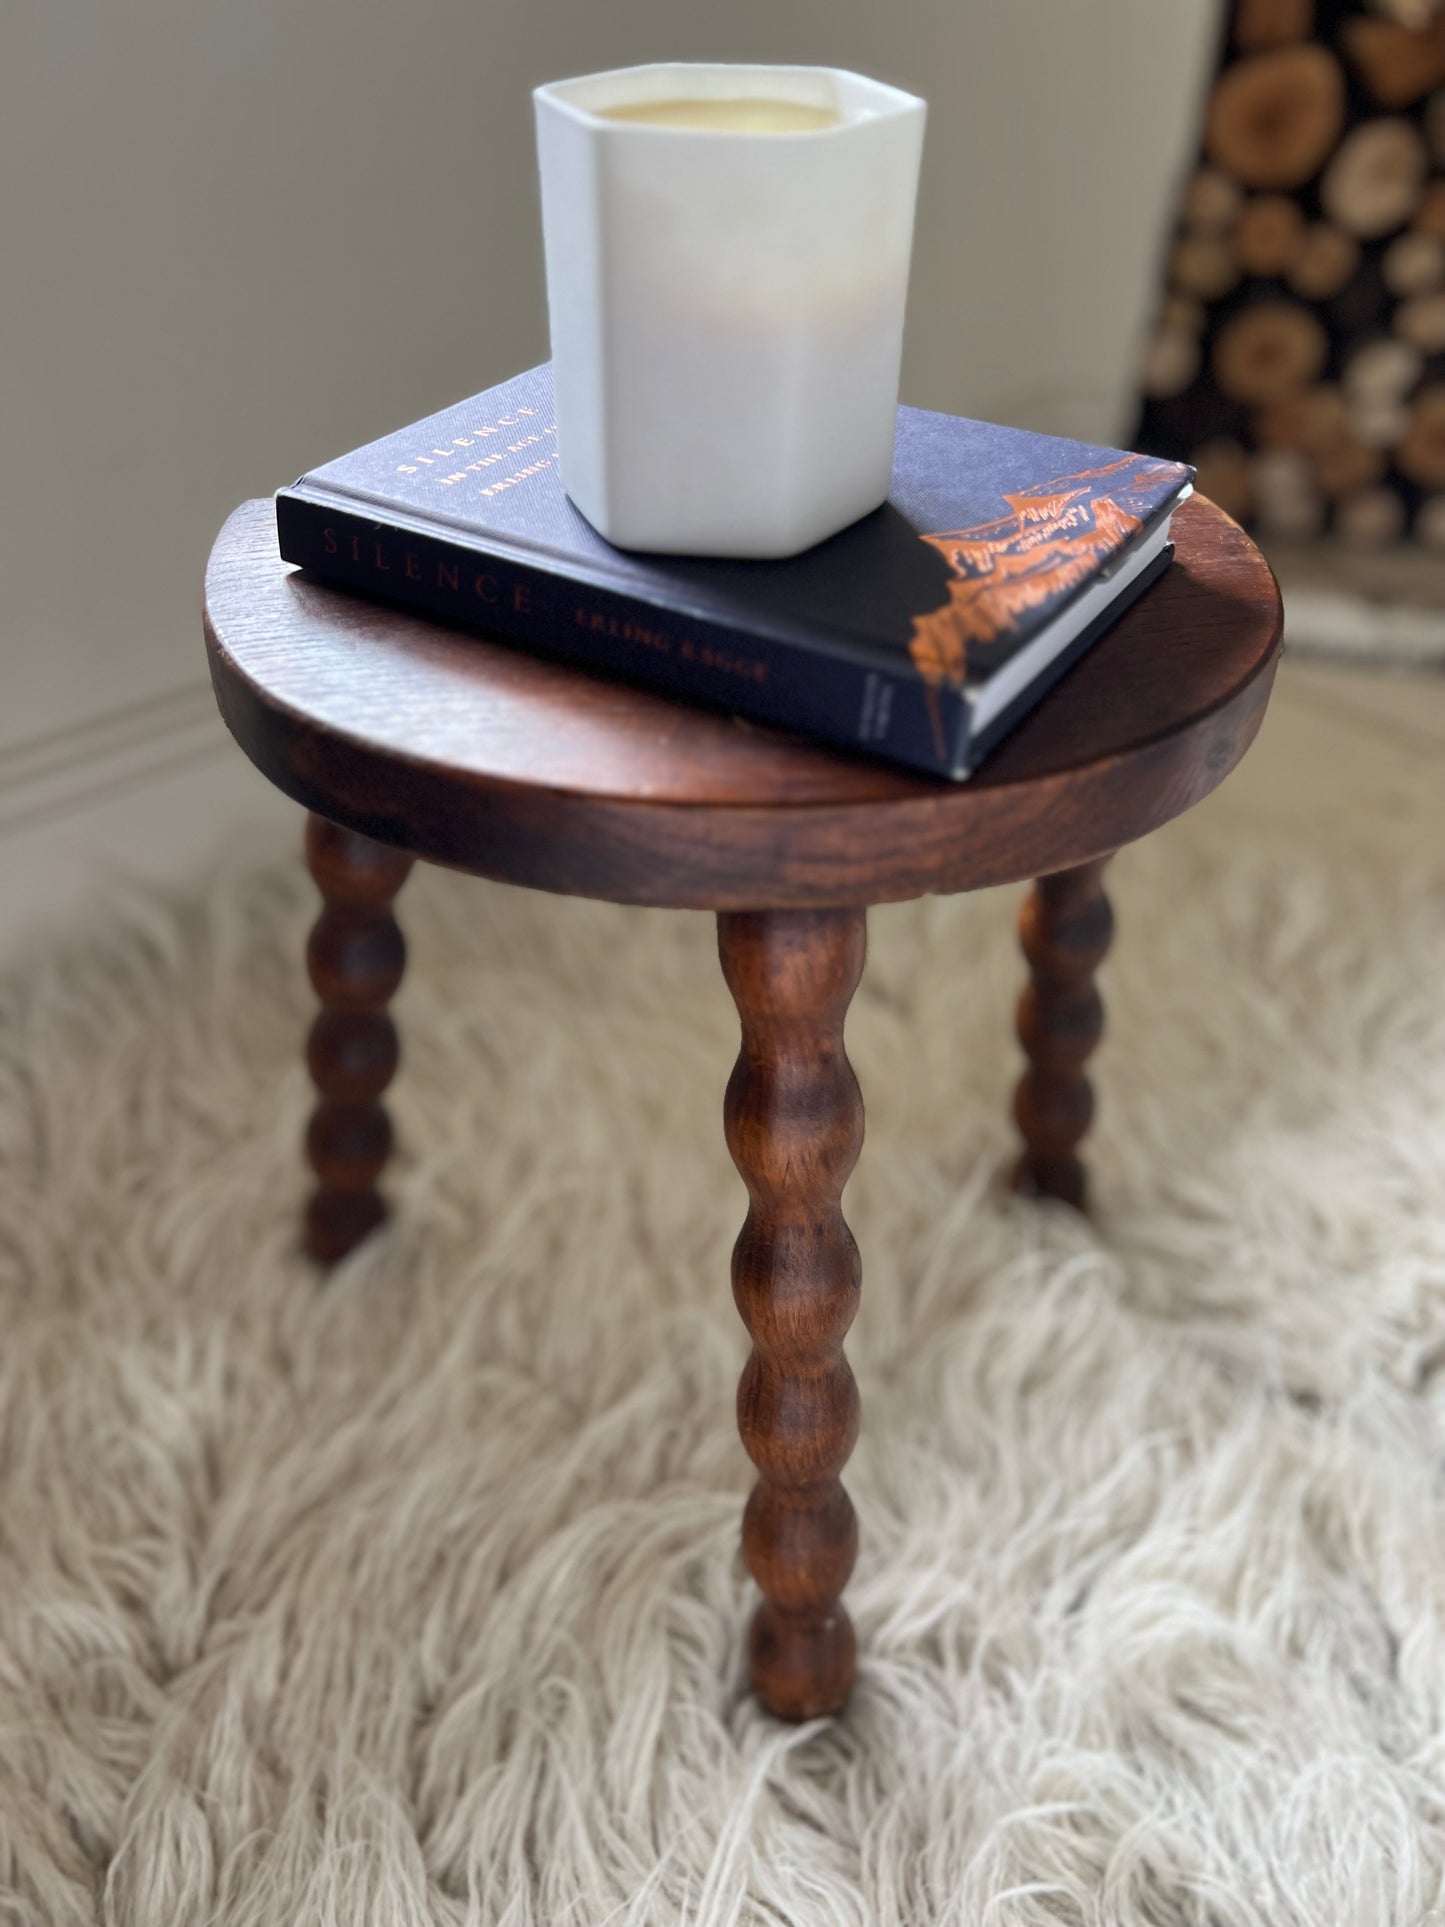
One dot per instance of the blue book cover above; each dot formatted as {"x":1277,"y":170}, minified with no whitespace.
{"x":919,"y":633}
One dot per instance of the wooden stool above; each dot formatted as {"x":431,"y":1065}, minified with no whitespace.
{"x":405,"y":739}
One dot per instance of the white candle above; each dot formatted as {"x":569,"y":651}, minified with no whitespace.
{"x":727,"y":264}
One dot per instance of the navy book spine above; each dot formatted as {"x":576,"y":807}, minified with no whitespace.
{"x":851,"y":701}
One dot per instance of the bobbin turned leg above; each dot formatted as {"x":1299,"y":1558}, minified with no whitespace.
{"x":794,"y":1123}
{"x":1065,"y":927}
{"x":355,"y":956}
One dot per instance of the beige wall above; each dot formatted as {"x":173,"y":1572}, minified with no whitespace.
{"x":240,"y":236}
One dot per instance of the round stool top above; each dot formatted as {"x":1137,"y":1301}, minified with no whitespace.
{"x":480,"y":755}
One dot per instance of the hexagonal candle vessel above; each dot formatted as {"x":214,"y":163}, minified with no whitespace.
{"x":727,"y":252}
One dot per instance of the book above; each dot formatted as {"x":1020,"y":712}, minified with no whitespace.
{"x":920,"y":633}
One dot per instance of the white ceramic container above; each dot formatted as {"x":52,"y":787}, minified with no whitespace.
{"x":726,"y":307}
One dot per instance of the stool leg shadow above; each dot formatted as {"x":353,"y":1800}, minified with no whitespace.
{"x":355,"y":957}
{"x":794,"y":1121}
{"x":1065,"y":928}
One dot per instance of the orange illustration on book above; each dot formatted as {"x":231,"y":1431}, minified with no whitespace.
{"x":1057,"y":537}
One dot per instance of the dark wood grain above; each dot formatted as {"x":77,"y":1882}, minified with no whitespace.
{"x":1065,"y":927}
{"x":416,"y":739}
{"x":795,"y":1126}
{"x":355,"y":957}
{"x":512,"y":766}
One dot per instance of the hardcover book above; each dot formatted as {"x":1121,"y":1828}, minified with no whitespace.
{"x":919,"y":633}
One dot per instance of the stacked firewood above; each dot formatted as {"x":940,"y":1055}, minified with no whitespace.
{"x":1299,"y":354}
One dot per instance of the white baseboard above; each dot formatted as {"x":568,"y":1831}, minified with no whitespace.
{"x":149,"y":793}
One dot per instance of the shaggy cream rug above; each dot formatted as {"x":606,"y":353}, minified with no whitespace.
{"x":415,"y":1598}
